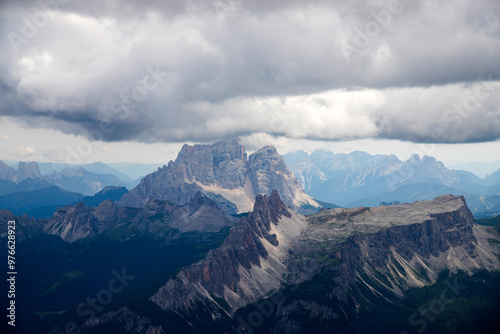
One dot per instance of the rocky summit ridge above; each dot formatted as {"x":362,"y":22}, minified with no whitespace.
{"x":224,"y":173}
{"x":157,"y":219}
{"x":24,"y":171}
{"x":248,"y":265}
{"x":385,"y":250}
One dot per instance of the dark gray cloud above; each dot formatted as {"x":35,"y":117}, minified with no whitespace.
{"x":199,"y":70}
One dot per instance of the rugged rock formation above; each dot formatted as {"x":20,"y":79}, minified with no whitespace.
{"x":224,"y":174}
{"x":247,"y":266}
{"x":26,"y":227}
{"x":74,"y":222}
{"x":408,"y":244}
{"x":78,"y":221}
{"x":29,"y":170}
{"x":24,"y":171}
{"x":266,"y":170}
{"x":386,"y":249}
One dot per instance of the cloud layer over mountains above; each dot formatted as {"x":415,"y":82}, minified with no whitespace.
{"x":422,"y":71}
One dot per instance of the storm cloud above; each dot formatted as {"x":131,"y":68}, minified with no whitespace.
{"x":420,"y":71}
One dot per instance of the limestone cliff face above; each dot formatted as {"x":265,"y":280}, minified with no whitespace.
{"x":267,"y":171}
{"x":408,"y":245}
{"x":413,"y":255}
{"x":246,"y":267}
{"x":222,"y":163}
{"x":223,"y":173}
{"x":387,"y":249}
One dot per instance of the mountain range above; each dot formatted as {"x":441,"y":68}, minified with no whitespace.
{"x":306,"y":182}
{"x":75,"y":180}
{"x":361,"y":179}
{"x":356,"y":253}
{"x":223,"y":172}
{"x":127,"y":172}
{"x":273,"y":270}
{"x":219,"y":241}
{"x":480,"y":169}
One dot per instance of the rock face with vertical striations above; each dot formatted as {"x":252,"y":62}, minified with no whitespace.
{"x":223,"y":173}
{"x":247,"y":266}
{"x":385,"y":250}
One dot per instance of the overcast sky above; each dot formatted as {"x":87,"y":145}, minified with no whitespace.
{"x":139,"y":78}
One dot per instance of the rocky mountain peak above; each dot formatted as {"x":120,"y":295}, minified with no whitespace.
{"x":267,"y":210}
{"x":223,"y":171}
{"x":27,"y":170}
{"x":198,"y":200}
{"x":219,"y":164}
{"x":270,"y":208}
{"x":24,"y":171}
{"x":7,"y":172}
{"x":156,"y":206}
{"x":105,"y":205}
{"x":72,"y":222}
{"x":414,"y":158}
{"x":110,"y":189}
{"x":268,"y":150}
{"x":246,"y":266}
{"x":106,"y":213}
{"x":267,"y":171}
{"x":409,"y":244}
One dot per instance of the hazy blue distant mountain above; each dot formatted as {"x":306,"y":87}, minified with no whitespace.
{"x":24,"y":171}
{"x":135,"y":170}
{"x":359,"y":178}
{"x":7,"y":172}
{"x":294,"y":157}
{"x":100,"y":168}
{"x":8,"y":187}
{"x":69,"y":178}
{"x":494,"y":178}
{"x":21,"y":202}
{"x":407,"y":194}
{"x":32,"y":184}
{"x":82,"y":181}
{"x":485,"y":206}
{"x":479,"y":168}
{"x":47,"y":168}
{"x":49,"y":208}
{"x":108,"y":193}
